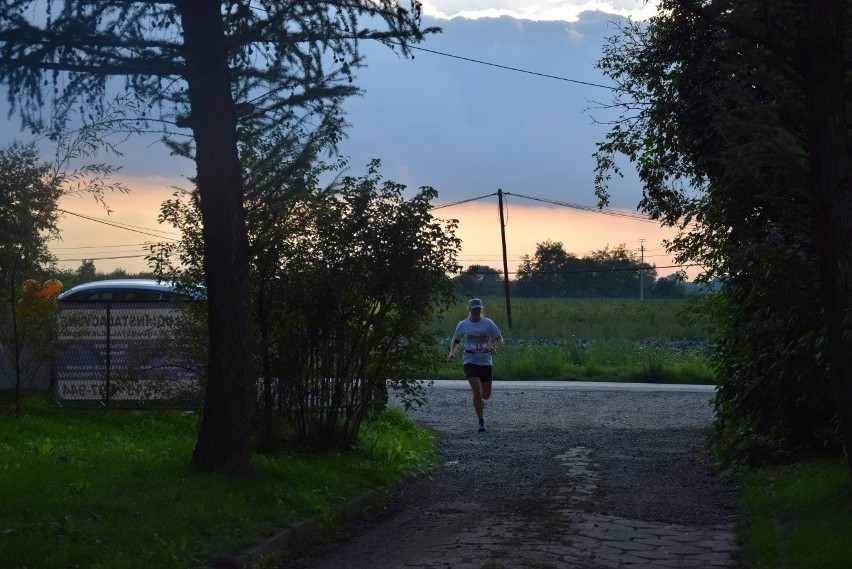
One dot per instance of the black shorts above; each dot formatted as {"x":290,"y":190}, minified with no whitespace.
{"x":476,"y":370}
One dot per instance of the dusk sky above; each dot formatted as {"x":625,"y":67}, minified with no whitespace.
{"x":455,"y":118}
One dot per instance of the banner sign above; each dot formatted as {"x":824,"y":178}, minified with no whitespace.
{"x":114,"y":351}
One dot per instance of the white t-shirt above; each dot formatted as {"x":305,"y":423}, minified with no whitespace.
{"x":476,"y":338}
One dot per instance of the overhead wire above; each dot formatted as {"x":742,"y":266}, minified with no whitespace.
{"x":99,"y":246}
{"x":592,"y":209}
{"x":100,"y":254}
{"x":618,"y":213}
{"x":127,"y":227}
{"x":81,"y":259}
{"x":517,"y":69}
{"x":460,"y":202}
{"x":603,"y":211}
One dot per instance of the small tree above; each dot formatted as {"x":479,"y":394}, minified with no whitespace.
{"x":28,"y":217}
{"x":86,"y":270}
{"x":546,"y":272}
{"x":344,"y":279}
{"x":551,"y":271}
{"x":29,"y":192}
{"x":359,"y":288}
{"x":617,"y":272}
{"x":669,"y":287}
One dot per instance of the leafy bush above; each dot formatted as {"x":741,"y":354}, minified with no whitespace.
{"x":774,"y":398}
{"x":336,"y":273}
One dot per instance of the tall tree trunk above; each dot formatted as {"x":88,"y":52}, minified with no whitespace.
{"x":224,"y":441}
{"x":831,"y":187}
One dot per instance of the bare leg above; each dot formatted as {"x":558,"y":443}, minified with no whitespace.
{"x":476,"y":387}
{"x":486,"y":389}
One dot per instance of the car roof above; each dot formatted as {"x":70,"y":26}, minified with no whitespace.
{"x":120,"y":284}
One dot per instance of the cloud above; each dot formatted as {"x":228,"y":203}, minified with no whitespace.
{"x":496,"y":103}
{"x":552,"y":10}
{"x":467,"y":128}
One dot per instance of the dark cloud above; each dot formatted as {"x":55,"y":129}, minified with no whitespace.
{"x":469,"y":128}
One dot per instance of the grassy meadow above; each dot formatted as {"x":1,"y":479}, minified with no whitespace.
{"x":588,"y":340}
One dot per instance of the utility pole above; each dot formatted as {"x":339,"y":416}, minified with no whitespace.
{"x":641,"y":269}
{"x":505,"y":259}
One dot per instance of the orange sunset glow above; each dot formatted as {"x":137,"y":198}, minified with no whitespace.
{"x":117,"y":239}
{"x":580,"y":232}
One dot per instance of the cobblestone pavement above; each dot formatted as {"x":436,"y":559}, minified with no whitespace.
{"x":587,"y":476}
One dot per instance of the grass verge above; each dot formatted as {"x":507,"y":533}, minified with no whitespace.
{"x":588,"y":340}
{"x":797,"y":516}
{"x":615,"y":360}
{"x":113,"y":489}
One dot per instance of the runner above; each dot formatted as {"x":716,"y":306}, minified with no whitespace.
{"x":476,"y":334}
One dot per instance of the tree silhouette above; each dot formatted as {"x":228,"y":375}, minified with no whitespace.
{"x":213,"y":68}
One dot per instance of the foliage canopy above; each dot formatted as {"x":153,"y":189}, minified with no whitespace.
{"x":715,"y":117}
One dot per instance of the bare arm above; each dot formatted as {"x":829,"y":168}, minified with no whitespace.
{"x":453,"y":345}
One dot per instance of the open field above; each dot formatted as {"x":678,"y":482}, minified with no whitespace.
{"x":586,"y":319}
{"x":589,"y":340}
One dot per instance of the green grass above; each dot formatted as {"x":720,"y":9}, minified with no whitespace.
{"x":587,"y":319}
{"x":589,"y":340}
{"x":113,"y":489}
{"x":797,"y":516}
{"x":599,"y":361}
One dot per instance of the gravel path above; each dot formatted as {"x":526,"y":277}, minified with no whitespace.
{"x":588,"y":476}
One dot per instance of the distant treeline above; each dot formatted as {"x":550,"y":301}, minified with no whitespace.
{"x":550,"y":272}
{"x":553,"y":272}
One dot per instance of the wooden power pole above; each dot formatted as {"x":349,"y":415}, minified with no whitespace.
{"x":505,"y":260}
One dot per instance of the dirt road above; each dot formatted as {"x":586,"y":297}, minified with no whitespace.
{"x":568,"y":476}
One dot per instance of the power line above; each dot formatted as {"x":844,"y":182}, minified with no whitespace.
{"x":125,"y":227}
{"x":98,"y":246}
{"x":101,"y":258}
{"x":614,"y":212}
{"x":112,"y":254}
{"x":518,"y":70}
{"x":591,"y":209}
{"x":451,"y":204}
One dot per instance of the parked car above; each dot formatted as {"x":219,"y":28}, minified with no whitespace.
{"x":121,"y":290}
